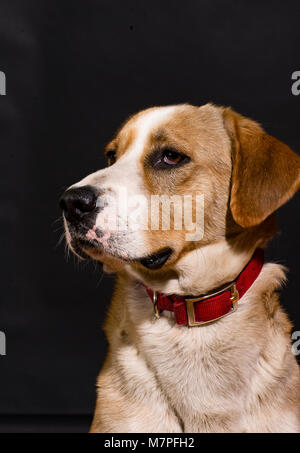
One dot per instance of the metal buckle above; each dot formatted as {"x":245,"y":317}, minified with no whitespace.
{"x":155,"y":306}
{"x":190,"y":305}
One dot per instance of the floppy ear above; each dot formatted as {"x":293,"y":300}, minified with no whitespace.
{"x":265,"y":174}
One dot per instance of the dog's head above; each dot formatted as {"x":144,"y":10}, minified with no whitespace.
{"x":178,"y":178}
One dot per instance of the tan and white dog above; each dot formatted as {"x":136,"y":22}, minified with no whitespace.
{"x":234,"y":374}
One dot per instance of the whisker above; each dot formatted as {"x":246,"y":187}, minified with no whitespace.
{"x":59,"y":219}
{"x":59,"y":228}
{"x":62,"y":236}
{"x":101,"y":277}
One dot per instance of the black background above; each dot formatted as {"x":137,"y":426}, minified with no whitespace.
{"x":75,"y":70}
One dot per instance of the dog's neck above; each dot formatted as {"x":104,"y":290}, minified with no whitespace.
{"x":201,"y":270}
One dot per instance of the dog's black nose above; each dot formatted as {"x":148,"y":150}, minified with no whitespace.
{"x":78,"y":202}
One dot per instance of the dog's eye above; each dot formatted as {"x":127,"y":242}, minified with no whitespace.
{"x":166,"y":158}
{"x":172,"y":157}
{"x":111,"y":157}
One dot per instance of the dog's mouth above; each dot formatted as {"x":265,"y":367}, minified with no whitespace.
{"x":93,"y":243}
{"x":92,"y":249}
{"x":83,"y":247}
{"x":156,"y":260}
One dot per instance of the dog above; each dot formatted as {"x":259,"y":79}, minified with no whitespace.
{"x":198,"y":341}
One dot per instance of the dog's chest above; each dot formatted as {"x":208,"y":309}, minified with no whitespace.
{"x":197,"y":369}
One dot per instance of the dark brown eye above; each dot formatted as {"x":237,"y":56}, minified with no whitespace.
{"x":111,"y":157}
{"x":172,"y":157}
{"x":166,"y":159}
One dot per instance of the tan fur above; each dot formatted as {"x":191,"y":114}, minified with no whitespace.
{"x":262,"y":159}
{"x":234,"y":375}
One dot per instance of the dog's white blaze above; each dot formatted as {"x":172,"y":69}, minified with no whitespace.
{"x":127,"y":175}
{"x":145,"y":124}
{"x":127,"y":168}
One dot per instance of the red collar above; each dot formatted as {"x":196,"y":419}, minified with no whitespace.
{"x":198,"y":310}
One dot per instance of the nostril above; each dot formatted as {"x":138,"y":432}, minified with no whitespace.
{"x":85,"y":205}
{"x":78,"y":201}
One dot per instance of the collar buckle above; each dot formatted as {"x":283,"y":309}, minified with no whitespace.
{"x":190,"y":301}
{"x":155,"y":305}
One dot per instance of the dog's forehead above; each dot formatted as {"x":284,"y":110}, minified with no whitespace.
{"x":177,"y":121}
{"x":133,"y":136}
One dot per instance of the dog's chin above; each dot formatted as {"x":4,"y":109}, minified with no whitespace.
{"x":87,"y":250}
{"x":110,"y":263}
{"x":81,"y":247}
{"x":92,"y":249}
{"x":153,"y":261}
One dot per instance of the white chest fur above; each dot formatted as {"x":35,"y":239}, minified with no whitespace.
{"x":211,"y":377}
